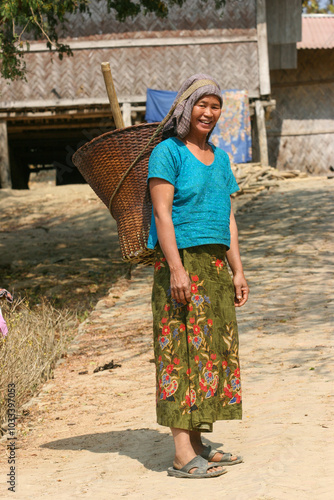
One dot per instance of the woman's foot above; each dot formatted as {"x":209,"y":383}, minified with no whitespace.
{"x":198,"y":467}
{"x":199,"y":448}
{"x":180,"y":462}
{"x":184,"y":451}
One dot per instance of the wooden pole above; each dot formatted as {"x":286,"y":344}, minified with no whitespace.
{"x":115,"y":109}
{"x":126,"y":113}
{"x":262,"y":46}
{"x":5,"y":177}
{"x":262,"y":133}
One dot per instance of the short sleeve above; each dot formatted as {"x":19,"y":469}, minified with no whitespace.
{"x":231,"y":183}
{"x":162,"y":164}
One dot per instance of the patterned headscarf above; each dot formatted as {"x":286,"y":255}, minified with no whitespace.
{"x":179,"y":123}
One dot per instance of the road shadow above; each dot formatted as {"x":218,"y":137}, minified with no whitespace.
{"x":153,"y":449}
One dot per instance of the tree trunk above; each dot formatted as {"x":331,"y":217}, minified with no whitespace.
{"x":5,"y":177}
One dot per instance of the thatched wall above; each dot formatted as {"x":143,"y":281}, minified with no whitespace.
{"x":301,"y":130}
{"x":134,"y":68}
{"x":193,"y":15}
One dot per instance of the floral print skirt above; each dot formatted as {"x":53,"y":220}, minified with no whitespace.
{"x":196,"y":345}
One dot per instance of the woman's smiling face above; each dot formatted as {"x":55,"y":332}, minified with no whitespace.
{"x":205,"y":114}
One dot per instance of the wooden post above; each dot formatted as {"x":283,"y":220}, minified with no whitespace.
{"x":262,"y":47}
{"x":262,"y":133}
{"x":5,"y":177}
{"x":115,"y":109}
{"x":126,"y":112}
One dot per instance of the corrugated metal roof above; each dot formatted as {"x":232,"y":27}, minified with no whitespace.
{"x":317,"y":32}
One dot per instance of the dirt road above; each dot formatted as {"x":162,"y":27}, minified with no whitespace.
{"x":58,"y":242}
{"x":95,"y":435}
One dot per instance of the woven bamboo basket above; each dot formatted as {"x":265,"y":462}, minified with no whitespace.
{"x":103,"y":162}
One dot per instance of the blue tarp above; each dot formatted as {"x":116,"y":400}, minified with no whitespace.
{"x":158,"y":103}
{"x":232,"y":132}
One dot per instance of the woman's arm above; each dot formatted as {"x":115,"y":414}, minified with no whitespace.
{"x":234,"y":260}
{"x":162,"y":194}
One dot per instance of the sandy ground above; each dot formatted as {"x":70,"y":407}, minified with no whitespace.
{"x":95,"y":435}
{"x":58,"y":242}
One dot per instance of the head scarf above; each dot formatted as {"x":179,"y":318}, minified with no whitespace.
{"x":179,"y":122}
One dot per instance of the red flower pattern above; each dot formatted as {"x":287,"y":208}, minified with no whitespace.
{"x":203,"y":385}
{"x":219,"y":264}
{"x":166,"y":330}
{"x":196,"y":329}
{"x":195,"y":278}
{"x":227,"y":391}
{"x":210,"y":322}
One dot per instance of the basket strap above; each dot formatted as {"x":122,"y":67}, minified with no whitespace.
{"x":190,"y":90}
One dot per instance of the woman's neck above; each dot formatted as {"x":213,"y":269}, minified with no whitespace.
{"x":197,"y":140}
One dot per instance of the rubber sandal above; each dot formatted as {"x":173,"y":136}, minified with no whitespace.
{"x":201,"y":471}
{"x":209,"y":452}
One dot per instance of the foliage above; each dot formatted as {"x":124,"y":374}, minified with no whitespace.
{"x":41,"y":18}
{"x":38,"y":17}
{"x":318,"y":7}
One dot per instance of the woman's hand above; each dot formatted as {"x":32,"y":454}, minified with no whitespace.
{"x":180,"y":285}
{"x":241,"y":289}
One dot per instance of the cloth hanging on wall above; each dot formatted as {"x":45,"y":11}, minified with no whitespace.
{"x":233,"y":130}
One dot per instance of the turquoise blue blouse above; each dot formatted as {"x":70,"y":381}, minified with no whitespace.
{"x":201,"y":205}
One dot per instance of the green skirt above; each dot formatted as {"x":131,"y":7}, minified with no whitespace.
{"x":196,"y":345}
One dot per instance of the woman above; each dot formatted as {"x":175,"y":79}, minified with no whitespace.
{"x":193,"y":301}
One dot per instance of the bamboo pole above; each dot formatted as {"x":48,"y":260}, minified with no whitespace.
{"x":115,"y":109}
{"x":262,"y":133}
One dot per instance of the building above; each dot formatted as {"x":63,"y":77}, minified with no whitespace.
{"x":64,"y":103}
{"x":300,"y":130}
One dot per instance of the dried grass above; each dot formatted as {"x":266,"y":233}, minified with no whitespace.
{"x":36,"y":339}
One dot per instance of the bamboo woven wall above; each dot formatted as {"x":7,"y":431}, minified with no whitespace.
{"x":301,"y":130}
{"x":134,"y":69}
{"x":193,"y":15}
{"x":235,"y":65}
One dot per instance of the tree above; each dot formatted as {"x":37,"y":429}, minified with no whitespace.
{"x":41,"y":18}
{"x":318,"y":7}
